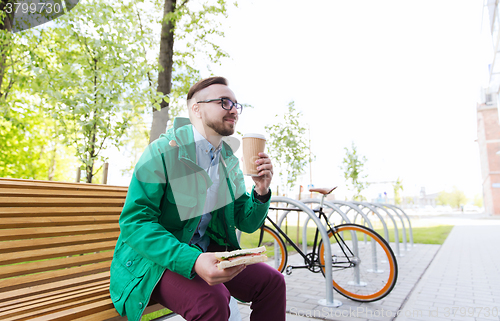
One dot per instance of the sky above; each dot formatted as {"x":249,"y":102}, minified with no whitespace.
{"x":399,"y":79}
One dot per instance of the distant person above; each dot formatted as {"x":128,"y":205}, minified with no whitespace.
{"x":186,"y":197}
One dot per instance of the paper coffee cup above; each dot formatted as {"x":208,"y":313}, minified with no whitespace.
{"x":253,"y":144}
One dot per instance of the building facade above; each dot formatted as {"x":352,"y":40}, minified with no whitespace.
{"x":488,"y":138}
{"x":488,"y":125}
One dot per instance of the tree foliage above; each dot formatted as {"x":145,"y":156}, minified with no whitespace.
{"x":31,"y":148}
{"x":352,"y":167}
{"x":287,"y":146}
{"x":398,"y":186}
{"x":188,"y":34}
{"x":95,"y":77}
{"x":456,"y":198}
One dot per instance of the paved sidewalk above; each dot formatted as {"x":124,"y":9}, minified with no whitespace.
{"x":463,"y":281}
{"x":459,"y":280}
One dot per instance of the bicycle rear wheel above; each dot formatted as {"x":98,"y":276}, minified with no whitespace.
{"x":364,"y":266}
{"x":275,"y":247}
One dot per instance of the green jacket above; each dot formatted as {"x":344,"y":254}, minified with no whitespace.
{"x":162,"y":210}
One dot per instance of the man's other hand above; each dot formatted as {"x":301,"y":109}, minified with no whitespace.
{"x":206,"y":267}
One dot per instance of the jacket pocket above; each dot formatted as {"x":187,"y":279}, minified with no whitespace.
{"x":127,"y":269}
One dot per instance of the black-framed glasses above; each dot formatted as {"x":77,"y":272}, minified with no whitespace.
{"x":225,"y":103}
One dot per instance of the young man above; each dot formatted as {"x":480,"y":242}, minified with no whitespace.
{"x":185,"y":200}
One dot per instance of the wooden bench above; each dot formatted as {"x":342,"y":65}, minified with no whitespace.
{"x":56,"y":245}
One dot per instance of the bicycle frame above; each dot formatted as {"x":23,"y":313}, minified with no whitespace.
{"x":312,"y":263}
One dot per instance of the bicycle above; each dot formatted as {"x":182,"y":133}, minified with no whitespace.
{"x":357,"y":255}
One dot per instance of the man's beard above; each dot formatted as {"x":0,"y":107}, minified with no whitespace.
{"x":220,"y":129}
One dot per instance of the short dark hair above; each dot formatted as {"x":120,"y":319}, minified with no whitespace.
{"x":204,"y":83}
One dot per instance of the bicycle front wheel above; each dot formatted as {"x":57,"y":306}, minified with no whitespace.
{"x":364,"y":266}
{"x":275,"y":247}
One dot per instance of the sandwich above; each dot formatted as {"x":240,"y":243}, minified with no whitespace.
{"x":238,"y":257}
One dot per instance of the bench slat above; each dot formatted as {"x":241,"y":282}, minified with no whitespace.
{"x":22,"y":222}
{"x":42,"y":266}
{"x":112,"y":315}
{"x":56,"y":252}
{"x":39,"y":232}
{"x":83,"y":311}
{"x":39,"y":291}
{"x":20,"y":183}
{"x":57,"y":211}
{"x":39,"y":192}
{"x":65,"y":311}
{"x":34,"y":244}
{"x":32,"y":280}
{"x":59,"y":201}
{"x":54,"y":300}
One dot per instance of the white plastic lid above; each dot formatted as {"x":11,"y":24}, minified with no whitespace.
{"x":254,"y":135}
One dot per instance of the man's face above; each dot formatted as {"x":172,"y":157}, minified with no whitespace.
{"x":222,"y":121}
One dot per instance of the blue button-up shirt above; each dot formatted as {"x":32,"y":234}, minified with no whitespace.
{"x":207,"y":157}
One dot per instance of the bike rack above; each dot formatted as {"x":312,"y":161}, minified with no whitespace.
{"x":358,"y":211}
{"x":396,"y":230}
{"x":329,"y":301}
{"x":374,"y":210}
{"x":327,"y":203}
{"x":375,"y":266}
{"x":382,"y":206}
{"x":394,"y":207}
{"x":365,"y":217}
{"x":353,"y":207}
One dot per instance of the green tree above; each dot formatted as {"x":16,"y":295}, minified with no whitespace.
{"x":352,"y":167}
{"x":6,"y":49}
{"x":478,"y":200}
{"x":398,"y":186}
{"x":30,"y":149}
{"x":95,"y":77}
{"x":443,"y":198}
{"x":457,"y":198}
{"x":287,"y":146}
{"x":193,"y":25}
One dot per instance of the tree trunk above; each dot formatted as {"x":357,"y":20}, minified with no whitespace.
{"x":160,"y":117}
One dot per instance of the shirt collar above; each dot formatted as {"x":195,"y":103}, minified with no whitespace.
{"x":203,"y":143}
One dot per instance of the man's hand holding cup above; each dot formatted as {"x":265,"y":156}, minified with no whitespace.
{"x":256,"y":163}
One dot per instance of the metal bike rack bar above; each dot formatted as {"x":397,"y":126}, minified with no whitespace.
{"x":360,"y":212}
{"x":329,"y":301}
{"x":382,"y":206}
{"x":325,"y":203}
{"x":407,"y":217}
{"x":375,"y":265}
{"x":353,"y":207}
{"x":374,"y":210}
{"x":396,"y":229}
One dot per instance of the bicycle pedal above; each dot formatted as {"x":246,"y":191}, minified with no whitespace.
{"x":289,"y":270}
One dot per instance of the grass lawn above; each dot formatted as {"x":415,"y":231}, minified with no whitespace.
{"x":155,"y":314}
{"x":424,"y":235}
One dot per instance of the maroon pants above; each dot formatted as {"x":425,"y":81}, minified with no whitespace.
{"x":194,"y":299}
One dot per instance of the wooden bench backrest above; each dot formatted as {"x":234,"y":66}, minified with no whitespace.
{"x":56,"y":244}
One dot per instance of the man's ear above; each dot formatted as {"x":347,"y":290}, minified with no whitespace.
{"x":195,"y":109}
